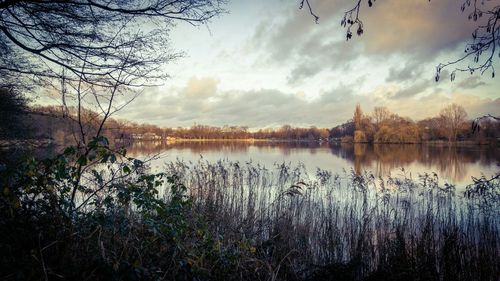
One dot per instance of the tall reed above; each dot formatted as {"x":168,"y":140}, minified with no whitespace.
{"x":317,"y":226}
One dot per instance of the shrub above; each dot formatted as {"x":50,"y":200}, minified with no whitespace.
{"x":359,"y":136}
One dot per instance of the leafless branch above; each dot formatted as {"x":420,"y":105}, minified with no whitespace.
{"x":301,"y":6}
{"x":38,"y":38}
{"x":480,"y":53}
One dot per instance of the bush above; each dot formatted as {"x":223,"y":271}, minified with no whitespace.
{"x":347,"y":139}
{"x":359,"y":136}
{"x":93,"y":214}
{"x":405,"y":133}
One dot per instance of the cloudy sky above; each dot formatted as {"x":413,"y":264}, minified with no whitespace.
{"x":266,"y":63}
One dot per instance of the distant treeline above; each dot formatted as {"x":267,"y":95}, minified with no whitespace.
{"x":61,"y":125}
{"x":286,"y":132}
{"x":382,"y":126}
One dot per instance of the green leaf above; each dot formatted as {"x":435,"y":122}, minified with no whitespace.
{"x":82,"y":160}
{"x":69,"y":150}
{"x":112,"y":158}
{"x":126,"y":169}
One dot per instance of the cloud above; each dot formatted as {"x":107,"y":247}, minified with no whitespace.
{"x":200,"y":88}
{"x":273,"y":108}
{"x":421,"y":28}
{"x":471,"y":83}
{"x":477,"y":106}
{"x":413,"y":90}
{"x":411,"y":70}
{"x":313,"y":59}
{"x":294,"y":41}
{"x":415,"y":32}
{"x":255,"y":108}
{"x":430,"y":105}
{"x":283,"y":37}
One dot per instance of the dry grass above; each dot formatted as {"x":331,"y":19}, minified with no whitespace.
{"x":312,"y":226}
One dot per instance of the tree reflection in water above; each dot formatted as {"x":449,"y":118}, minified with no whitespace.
{"x":454,"y":163}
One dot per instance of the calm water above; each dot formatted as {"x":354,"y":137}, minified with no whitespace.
{"x":454,"y":165}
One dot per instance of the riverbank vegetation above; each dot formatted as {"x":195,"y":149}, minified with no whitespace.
{"x":60,"y":125}
{"x":98,"y":214}
{"x":384,"y":126}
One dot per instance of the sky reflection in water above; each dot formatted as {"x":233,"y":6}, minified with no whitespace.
{"x":452,"y":164}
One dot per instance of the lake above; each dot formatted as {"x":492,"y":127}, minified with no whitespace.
{"x":453,"y":164}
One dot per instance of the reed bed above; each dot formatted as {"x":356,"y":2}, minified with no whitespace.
{"x":243,"y":221}
{"x":345,"y":227}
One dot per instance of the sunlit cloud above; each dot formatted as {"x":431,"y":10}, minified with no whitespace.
{"x":274,"y":108}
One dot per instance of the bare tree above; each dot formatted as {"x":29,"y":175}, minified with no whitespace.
{"x":380,"y":114}
{"x":358,"y":116}
{"x":480,"y":52}
{"x":94,"y":42}
{"x":453,"y":117}
{"x":92,"y":51}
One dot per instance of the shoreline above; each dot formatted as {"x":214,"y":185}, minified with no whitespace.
{"x":433,"y":142}
{"x":7,"y":144}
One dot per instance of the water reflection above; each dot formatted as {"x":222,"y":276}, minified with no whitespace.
{"x":200,"y":147}
{"x":455,"y":164}
{"x":449,"y":161}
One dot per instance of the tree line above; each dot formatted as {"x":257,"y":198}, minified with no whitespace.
{"x":384,"y":126}
{"x":60,"y":125}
